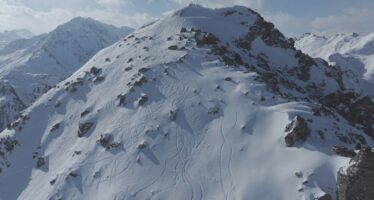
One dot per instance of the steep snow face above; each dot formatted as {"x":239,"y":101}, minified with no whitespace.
{"x":32,"y":66}
{"x":8,"y":36}
{"x":193,"y":106}
{"x":351,"y":51}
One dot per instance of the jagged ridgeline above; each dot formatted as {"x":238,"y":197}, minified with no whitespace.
{"x":202,"y":104}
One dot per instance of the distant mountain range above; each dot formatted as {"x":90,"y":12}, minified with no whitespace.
{"x":200,"y":104}
{"x":352,"y":51}
{"x":8,"y":36}
{"x":30,"y":67}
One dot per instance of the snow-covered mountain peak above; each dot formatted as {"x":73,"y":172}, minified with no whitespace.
{"x":32,"y":66}
{"x":185,"y":108}
{"x":352,"y":51}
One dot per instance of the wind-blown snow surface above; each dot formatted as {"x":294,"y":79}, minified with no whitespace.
{"x":179,"y":122}
{"x":352,"y":51}
{"x":32,"y":66}
{"x":8,"y":36}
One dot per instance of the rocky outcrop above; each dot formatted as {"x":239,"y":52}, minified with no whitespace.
{"x":325,"y":197}
{"x":356,"y":182}
{"x":296,"y":132}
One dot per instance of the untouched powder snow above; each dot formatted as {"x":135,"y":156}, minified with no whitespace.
{"x":192,"y":106}
{"x":353,"y":51}
{"x":32,"y":66}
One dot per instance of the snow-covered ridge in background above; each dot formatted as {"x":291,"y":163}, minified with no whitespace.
{"x":30,"y":67}
{"x":202,"y":104}
{"x":352,"y":51}
{"x":8,"y":36}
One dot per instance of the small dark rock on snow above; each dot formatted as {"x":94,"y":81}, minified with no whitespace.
{"x":297,"y":131}
{"x":84,"y":128}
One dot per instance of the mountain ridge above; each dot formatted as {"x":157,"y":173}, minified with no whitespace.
{"x":203,"y":103}
{"x":32,"y":66}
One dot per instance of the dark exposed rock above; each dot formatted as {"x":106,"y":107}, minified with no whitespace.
{"x":173,"y":47}
{"x":141,"y":81}
{"x":95,"y":71}
{"x":8,"y":143}
{"x":213,"y":110}
{"x":355,"y":109}
{"x":343,"y":151}
{"x":296,"y":132}
{"x":173,"y":115}
{"x":356,"y":182}
{"x":84,"y":113}
{"x":40,"y":162}
{"x":205,"y":39}
{"x":142,"y":145}
{"x":122,"y":99}
{"x":52,"y":182}
{"x":107,"y":142}
{"x":183,"y":30}
{"x":143,"y":99}
{"x":325,"y":197}
{"x":55,"y":127}
{"x":57,"y":104}
{"x":73,"y":174}
{"x":84,"y":128}
{"x":143,"y":70}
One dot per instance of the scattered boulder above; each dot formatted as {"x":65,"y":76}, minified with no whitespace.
{"x":57,"y":104}
{"x":356,"y":181}
{"x":84,"y":113}
{"x":55,"y":127}
{"x":173,"y":115}
{"x":142,"y":145}
{"x":106,"y":141}
{"x":8,"y":143}
{"x":173,"y":47}
{"x":344,"y":151}
{"x":95,"y":71}
{"x":122,"y":99}
{"x":53,"y":181}
{"x":40,"y":162}
{"x":213,"y":110}
{"x":84,"y":128}
{"x":297,"y":131}
{"x":143,"y":99}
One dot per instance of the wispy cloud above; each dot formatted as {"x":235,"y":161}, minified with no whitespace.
{"x":254,"y":4}
{"x":17,"y":16}
{"x":352,"y":19}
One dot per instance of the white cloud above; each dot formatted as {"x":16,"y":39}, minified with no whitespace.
{"x":286,"y":23}
{"x":351,"y":20}
{"x":254,"y":4}
{"x":18,"y":16}
{"x":112,"y":3}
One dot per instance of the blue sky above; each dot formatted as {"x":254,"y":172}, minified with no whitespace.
{"x":293,"y":17}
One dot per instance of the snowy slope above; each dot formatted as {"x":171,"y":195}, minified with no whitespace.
{"x":8,"y":36}
{"x":193,"y":106}
{"x":352,"y":51}
{"x":32,"y":66}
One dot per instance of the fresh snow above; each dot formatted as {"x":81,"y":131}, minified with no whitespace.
{"x":353,"y":51}
{"x":195,"y":129}
{"x":30,"y":67}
